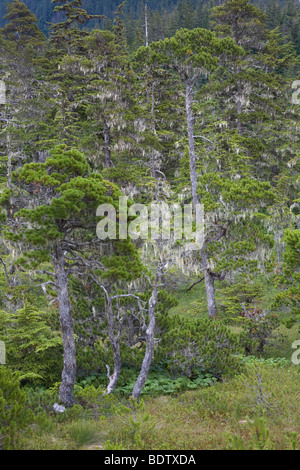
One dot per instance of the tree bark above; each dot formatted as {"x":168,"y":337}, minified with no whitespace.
{"x":9,"y":161}
{"x":191,"y":138}
{"x":153,"y":162}
{"x":150,"y":343}
{"x":208,"y":278}
{"x":115,"y":344}
{"x":108,"y":160}
{"x":146,"y":25}
{"x":239,"y":107}
{"x":209,"y":281}
{"x":69,"y":370}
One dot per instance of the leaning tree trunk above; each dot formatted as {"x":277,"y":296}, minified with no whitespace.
{"x":150,"y":343}
{"x":115,"y":344}
{"x":108,"y":160}
{"x":66,"y":320}
{"x":208,"y":277}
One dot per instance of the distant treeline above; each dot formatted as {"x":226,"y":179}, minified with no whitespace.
{"x":165,"y":17}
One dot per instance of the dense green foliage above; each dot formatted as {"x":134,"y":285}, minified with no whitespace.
{"x":14,"y":414}
{"x":178,"y":103}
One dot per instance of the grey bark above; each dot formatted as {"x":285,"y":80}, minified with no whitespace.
{"x":9,"y":161}
{"x":108,"y":160}
{"x":115,"y":344}
{"x":153,"y":162}
{"x":150,"y":343}
{"x":69,"y":370}
{"x":146,"y":25}
{"x":208,"y":277}
{"x":239,"y":108}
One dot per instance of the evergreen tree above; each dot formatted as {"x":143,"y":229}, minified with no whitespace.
{"x":32,"y":348}
{"x":288,"y":280}
{"x":192,"y":54}
{"x":22,"y":26}
{"x":61,"y":229}
{"x":66,"y":34}
{"x":241,"y":20}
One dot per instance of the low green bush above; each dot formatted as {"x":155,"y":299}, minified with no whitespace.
{"x":14,"y":415}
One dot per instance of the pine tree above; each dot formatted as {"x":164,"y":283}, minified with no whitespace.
{"x":193,"y":54}
{"x":61,"y":230}
{"x":240,"y":20}
{"x":22,"y":26}
{"x":288,"y":281}
{"x":66,"y":35}
{"x":255,"y":91}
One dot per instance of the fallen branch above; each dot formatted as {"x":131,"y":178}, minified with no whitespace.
{"x":195,"y":283}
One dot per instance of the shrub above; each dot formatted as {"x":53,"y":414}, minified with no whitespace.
{"x":258,"y":330}
{"x":13,"y":413}
{"x":191,"y":345}
{"x":32,"y":347}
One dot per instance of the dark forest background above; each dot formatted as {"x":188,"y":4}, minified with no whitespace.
{"x":166,"y":16}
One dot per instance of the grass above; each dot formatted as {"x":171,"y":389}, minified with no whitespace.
{"x":225,"y":415}
{"x":206,"y":418}
{"x":83,"y":432}
{"x":191,"y":303}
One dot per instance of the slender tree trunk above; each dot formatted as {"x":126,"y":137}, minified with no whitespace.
{"x":239,"y":108}
{"x":278,"y":248}
{"x":208,"y":278}
{"x":150,"y":343}
{"x":115,"y":344}
{"x":66,"y":320}
{"x":9,"y":160}
{"x":190,"y":129}
{"x":108,"y":160}
{"x":153,"y":162}
{"x":146,"y":24}
{"x":209,"y":287}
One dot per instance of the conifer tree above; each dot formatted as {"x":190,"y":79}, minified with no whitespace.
{"x":288,"y":281}
{"x":22,"y":26}
{"x":66,"y":34}
{"x":60,"y":227}
{"x":255,"y":91}
{"x":31,"y":346}
{"x":192,"y":54}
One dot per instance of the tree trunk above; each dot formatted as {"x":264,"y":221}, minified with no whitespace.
{"x":190,"y":129}
{"x":239,"y":107}
{"x":115,"y":344}
{"x":150,"y":343}
{"x":208,"y":278}
{"x":210,"y":292}
{"x":146,"y":25}
{"x":153,"y":161}
{"x":9,"y":161}
{"x":108,"y":160}
{"x":69,"y":370}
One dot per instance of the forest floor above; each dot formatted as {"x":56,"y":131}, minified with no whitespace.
{"x":225,"y":415}
{"x":258,"y":409}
